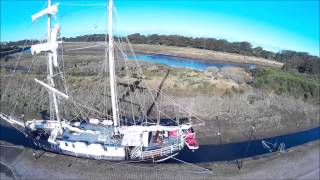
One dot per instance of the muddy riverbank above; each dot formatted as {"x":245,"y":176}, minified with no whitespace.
{"x":298,"y":163}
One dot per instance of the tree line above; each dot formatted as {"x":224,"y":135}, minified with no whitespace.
{"x":300,"y":61}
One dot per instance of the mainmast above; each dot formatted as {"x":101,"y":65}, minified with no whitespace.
{"x":50,"y":57}
{"x":113,"y":89}
{"x":51,"y":48}
{"x":50,"y":80}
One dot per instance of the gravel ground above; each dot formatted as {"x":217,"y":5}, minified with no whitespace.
{"x":298,"y":163}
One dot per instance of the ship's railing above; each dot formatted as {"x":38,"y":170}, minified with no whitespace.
{"x":136,"y":152}
{"x":152,"y":154}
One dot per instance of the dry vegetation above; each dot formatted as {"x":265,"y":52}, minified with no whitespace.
{"x":224,"y":98}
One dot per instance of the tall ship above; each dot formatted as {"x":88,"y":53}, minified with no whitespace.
{"x":112,"y":135}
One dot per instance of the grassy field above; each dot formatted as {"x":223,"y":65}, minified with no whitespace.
{"x":289,"y":82}
{"x":189,"y":82}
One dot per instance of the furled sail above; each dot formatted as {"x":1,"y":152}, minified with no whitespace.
{"x":49,"y":46}
{"x":36,"y":49}
{"x":49,"y":10}
{"x":134,"y":138}
{"x":54,"y":36}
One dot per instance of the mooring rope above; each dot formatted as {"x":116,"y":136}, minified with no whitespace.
{"x":11,"y":146}
{"x":10,"y":168}
{"x":205,"y":170}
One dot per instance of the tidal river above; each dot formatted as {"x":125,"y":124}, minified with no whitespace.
{"x":207,"y":152}
{"x":182,"y":62}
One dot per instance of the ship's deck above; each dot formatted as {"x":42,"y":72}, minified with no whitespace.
{"x":97,"y":134}
{"x":104,"y":135}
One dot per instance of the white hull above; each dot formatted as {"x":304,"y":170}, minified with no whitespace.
{"x":96,"y":141}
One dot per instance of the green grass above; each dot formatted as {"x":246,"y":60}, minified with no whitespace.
{"x":288,"y":82}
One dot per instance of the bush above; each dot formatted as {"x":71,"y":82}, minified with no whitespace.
{"x":288,"y":82}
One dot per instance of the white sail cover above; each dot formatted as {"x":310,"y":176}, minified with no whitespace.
{"x":54,"y":58}
{"x":139,"y":129}
{"x":54,"y":36}
{"x":36,"y":49}
{"x":49,"y":10}
{"x":54,"y":32}
{"x":52,"y":46}
{"x":134,"y":138}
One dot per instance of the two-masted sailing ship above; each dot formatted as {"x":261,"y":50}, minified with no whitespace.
{"x":107,"y":137}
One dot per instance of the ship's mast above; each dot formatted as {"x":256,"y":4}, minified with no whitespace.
{"x":51,"y":49}
{"x":49,"y":67}
{"x":50,"y":75}
{"x":113,"y":89}
{"x":50,"y":80}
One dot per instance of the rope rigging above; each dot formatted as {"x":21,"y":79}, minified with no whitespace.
{"x":142,"y":96}
{"x":131,"y":94}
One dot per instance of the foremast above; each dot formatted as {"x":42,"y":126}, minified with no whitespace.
{"x":51,"y":48}
{"x":113,"y":90}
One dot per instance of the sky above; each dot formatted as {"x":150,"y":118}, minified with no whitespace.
{"x":274,"y":25}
